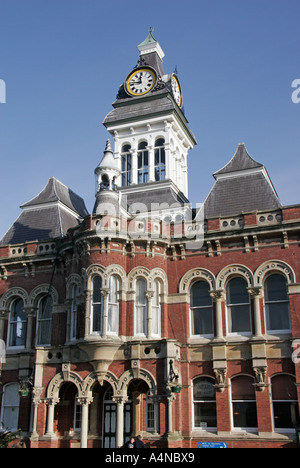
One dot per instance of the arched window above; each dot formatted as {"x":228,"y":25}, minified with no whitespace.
{"x":113,"y":306}
{"x":285,"y":402}
{"x":277,"y":304}
{"x":156,"y":309}
{"x":73,"y":327}
{"x":10,"y":407}
{"x":44,"y":321}
{"x":150,"y":413}
{"x":126,"y":166}
{"x":141,"y":307}
{"x":204,"y":401}
{"x":244,"y":413}
{"x":201,"y":309}
{"x":17,"y":325}
{"x":143,"y":163}
{"x":160,"y":160}
{"x":238,"y":307}
{"x":97,"y":305}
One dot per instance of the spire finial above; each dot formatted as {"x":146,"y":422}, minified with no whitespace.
{"x":108,"y":146}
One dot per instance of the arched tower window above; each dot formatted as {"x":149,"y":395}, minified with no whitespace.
{"x":160,"y":160}
{"x":126,"y":166}
{"x":141,"y":307}
{"x":143,"y":163}
{"x":97,"y":305}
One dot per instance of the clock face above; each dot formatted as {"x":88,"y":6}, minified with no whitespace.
{"x":140,"y":81}
{"x":176,"y":90}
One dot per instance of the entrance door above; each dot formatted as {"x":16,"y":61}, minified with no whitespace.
{"x":110,"y":420}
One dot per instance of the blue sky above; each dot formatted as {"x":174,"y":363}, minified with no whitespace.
{"x":63,"y":61}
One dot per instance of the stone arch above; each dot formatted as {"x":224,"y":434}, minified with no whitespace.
{"x":100,"y":377}
{"x":161,"y":276}
{"x":274,"y":266}
{"x":42,"y":290}
{"x":137,"y":272}
{"x":11,"y":295}
{"x":114,"y":270}
{"x":231,"y":271}
{"x":61,"y":378}
{"x":136,"y":374}
{"x":73,"y":279}
{"x":194,"y":275}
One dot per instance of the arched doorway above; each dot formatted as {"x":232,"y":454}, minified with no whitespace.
{"x":109,"y":426}
{"x":142,"y":415}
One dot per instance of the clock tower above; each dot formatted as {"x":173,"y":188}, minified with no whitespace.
{"x":151,"y":134}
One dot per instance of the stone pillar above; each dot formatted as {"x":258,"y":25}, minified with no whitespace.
{"x":151,"y":163}
{"x":36,"y":400}
{"x":30,"y":314}
{"x":256,"y":294}
{"x":120,"y":401}
{"x":105,"y":293}
{"x":218,"y":298}
{"x":51,"y":402}
{"x":170,"y":398}
{"x":149,"y":296}
{"x":84,"y":402}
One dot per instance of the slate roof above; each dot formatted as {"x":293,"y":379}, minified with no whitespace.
{"x":243,"y":185}
{"x":47,"y":216}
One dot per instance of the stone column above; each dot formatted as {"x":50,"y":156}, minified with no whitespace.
{"x":170,"y":398}
{"x":151,"y":163}
{"x":120,"y":401}
{"x":51,"y":402}
{"x":84,"y":402}
{"x":36,"y":400}
{"x":149,"y":296}
{"x":218,"y":298}
{"x":256,"y":294}
{"x":105,"y":293}
{"x":30,"y":314}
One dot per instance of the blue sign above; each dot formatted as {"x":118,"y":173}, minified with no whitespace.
{"x":212,"y":445}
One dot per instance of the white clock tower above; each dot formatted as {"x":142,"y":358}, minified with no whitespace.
{"x":151,"y":133}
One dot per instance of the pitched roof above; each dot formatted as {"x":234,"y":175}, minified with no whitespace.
{"x":243,"y":185}
{"x":240,"y":161}
{"x":55,"y":191}
{"x":47,"y":216}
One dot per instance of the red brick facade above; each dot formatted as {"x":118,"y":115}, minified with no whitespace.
{"x":85,"y":366}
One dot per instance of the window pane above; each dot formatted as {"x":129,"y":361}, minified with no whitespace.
{"x":204,"y":389}
{"x":200,"y":294}
{"x":97,"y":318}
{"x":202,"y":321}
{"x":97,"y":285}
{"x":284,"y":388}
{"x":141,"y":291}
{"x":239,"y":319}
{"x":205,"y":415}
{"x":286,"y":415}
{"x":204,"y":393}
{"x":237,"y":291}
{"x":276,"y":288}
{"x":278,"y":316}
{"x":244,"y":414}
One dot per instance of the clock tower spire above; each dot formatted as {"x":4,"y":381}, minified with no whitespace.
{"x":151,"y":134}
